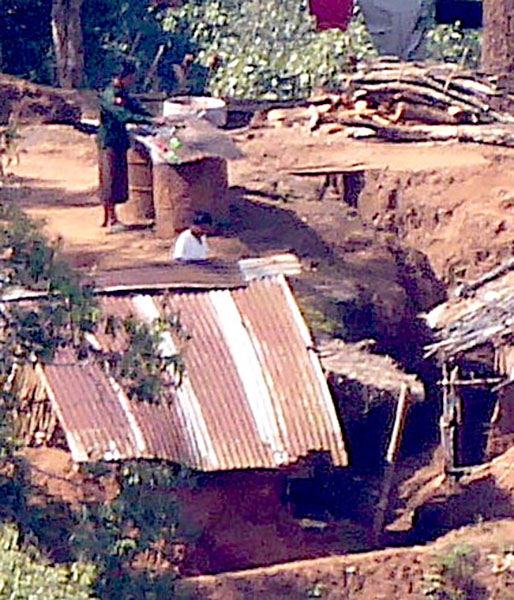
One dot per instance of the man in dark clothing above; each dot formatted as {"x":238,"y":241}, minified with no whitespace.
{"x":117,"y":109}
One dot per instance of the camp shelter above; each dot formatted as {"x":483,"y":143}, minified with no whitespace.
{"x":474,"y":345}
{"x":368,"y":387}
{"x":253,"y":394}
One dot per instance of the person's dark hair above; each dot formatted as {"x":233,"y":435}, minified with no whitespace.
{"x":126,"y":70}
{"x":202,"y":218}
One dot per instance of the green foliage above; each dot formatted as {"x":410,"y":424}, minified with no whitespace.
{"x":62,"y":316}
{"x":269,"y":49}
{"x":143,"y":367}
{"x":68,"y":310}
{"x":113,"y":535}
{"x":452,"y":576}
{"x":452,"y":43}
{"x":24,"y":575}
{"x":25,"y":40}
{"x":117,"y":30}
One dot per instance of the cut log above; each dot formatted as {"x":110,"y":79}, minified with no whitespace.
{"x":470,"y":104}
{"x":407,"y":111}
{"x":479,"y":134}
{"x":440,"y":86}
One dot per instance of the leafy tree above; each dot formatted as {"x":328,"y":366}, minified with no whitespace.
{"x":143,"y":521}
{"x":116,"y":30}
{"x":24,"y":575}
{"x":66,"y":312}
{"x":452,"y":43}
{"x":269,"y":49}
{"x":25,"y":40}
{"x":68,"y":45}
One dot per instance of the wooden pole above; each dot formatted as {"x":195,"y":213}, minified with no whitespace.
{"x":455,"y":415}
{"x":391,"y":457}
{"x":444,"y":424}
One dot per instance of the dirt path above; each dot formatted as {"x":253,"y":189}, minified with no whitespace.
{"x":58,"y":179}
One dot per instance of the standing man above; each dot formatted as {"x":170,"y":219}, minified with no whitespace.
{"x":117,"y":109}
{"x":398,"y":27}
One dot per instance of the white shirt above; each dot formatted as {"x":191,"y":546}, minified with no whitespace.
{"x":189,"y":247}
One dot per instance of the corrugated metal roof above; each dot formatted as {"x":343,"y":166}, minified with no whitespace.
{"x":201,"y":275}
{"x":270,"y":266}
{"x":253,"y":396}
{"x":172,"y":275}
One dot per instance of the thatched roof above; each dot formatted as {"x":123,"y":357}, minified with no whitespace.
{"x":482,"y":312}
{"x":372,"y":371}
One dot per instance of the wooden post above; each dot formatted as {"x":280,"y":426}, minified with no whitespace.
{"x":445,"y":424}
{"x":456,"y":402}
{"x":391,"y":457}
{"x":354,"y":183}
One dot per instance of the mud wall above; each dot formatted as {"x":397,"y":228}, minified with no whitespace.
{"x":462,"y":218}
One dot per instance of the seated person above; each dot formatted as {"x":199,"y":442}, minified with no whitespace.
{"x":191,"y":244}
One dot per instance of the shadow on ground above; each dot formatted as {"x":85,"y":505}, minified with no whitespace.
{"x":28,"y":193}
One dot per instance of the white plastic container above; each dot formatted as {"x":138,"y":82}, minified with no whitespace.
{"x":213,"y":110}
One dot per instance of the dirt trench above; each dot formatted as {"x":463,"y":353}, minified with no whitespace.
{"x":367,"y":271}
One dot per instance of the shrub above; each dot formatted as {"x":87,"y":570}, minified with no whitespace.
{"x":24,"y":574}
{"x":452,"y":576}
{"x":452,"y":43}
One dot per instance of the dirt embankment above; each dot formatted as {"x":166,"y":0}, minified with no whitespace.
{"x":476,"y":560}
{"x":461,"y":218}
{"x":27,"y":102}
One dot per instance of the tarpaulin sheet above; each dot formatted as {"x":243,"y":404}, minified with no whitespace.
{"x":398,"y":27}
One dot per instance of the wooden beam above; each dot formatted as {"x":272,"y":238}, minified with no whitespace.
{"x":391,"y":457}
{"x":471,"y":382}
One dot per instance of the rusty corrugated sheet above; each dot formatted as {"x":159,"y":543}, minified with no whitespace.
{"x":253,"y":396}
{"x":88,"y":407}
{"x":171,"y":275}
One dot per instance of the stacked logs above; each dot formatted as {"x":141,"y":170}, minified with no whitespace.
{"x":410,"y":102}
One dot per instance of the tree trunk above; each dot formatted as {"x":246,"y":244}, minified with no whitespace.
{"x":498,"y":45}
{"x":68,"y":46}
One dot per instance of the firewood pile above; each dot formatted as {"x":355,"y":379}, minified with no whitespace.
{"x":410,"y":102}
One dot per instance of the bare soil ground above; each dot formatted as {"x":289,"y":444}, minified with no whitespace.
{"x":452,"y":202}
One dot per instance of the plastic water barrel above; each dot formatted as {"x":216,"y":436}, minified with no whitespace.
{"x":213,"y":110}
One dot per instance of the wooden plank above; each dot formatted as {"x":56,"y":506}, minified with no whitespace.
{"x":391,"y":457}
{"x":316,"y":171}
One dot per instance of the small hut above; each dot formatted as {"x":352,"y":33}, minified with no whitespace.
{"x":252,"y":408}
{"x":248,"y":353}
{"x":368,"y":387}
{"x":474,"y":345}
